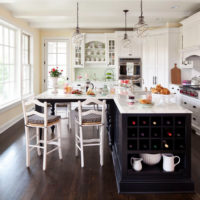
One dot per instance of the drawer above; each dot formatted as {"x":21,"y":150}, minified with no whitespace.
{"x":195,"y":119}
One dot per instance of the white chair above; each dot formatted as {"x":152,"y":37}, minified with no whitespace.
{"x":40,"y":120}
{"x":90,"y":118}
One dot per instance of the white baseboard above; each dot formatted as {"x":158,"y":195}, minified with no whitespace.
{"x":10,"y":123}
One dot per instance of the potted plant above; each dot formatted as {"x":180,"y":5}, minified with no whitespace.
{"x":55,"y":74}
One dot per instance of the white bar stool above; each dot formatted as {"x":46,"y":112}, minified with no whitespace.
{"x":40,"y":120}
{"x":90,"y":118}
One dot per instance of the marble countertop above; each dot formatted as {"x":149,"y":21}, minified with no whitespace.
{"x":160,"y":105}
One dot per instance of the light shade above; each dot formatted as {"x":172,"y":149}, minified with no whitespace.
{"x":125,"y":42}
{"x":141,"y":27}
{"x":77,"y":38}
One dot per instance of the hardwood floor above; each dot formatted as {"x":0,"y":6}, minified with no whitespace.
{"x":66,"y":179}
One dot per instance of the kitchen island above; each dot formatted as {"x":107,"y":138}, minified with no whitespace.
{"x":131,"y":131}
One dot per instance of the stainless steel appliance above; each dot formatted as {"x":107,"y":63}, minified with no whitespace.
{"x":125,"y":72}
{"x":191,"y":90}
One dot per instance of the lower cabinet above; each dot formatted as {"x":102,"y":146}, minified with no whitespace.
{"x":193,"y":105}
{"x":137,"y":134}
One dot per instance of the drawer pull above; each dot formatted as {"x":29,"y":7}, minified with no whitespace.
{"x":194,"y":107}
{"x":194,"y":118}
{"x":185,"y":102}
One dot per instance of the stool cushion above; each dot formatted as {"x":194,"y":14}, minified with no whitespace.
{"x":35,"y":119}
{"x":91,"y":118}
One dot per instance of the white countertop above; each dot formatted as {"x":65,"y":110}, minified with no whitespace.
{"x":121,"y":102}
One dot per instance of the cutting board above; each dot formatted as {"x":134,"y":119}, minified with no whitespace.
{"x":175,"y":75}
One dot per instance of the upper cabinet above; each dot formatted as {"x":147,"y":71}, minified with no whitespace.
{"x":79,"y":55}
{"x":160,"y":52}
{"x":191,"y":31}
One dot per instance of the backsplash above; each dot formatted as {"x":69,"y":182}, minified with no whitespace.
{"x":97,"y":74}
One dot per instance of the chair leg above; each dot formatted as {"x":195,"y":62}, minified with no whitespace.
{"x":27,"y":147}
{"x":81,"y":145}
{"x":101,"y":144}
{"x":76,"y":139}
{"x":45,"y":149}
{"x":38,"y":141}
{"x":59,"y":140}
{"x":69,"y":115}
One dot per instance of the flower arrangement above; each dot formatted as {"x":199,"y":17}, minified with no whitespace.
{"x":55,"y":72}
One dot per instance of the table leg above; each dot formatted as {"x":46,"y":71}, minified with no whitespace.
{"x":52,"y":113}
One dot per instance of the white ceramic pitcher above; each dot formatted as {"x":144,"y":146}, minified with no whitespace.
{"x":136,"y":163}
{"x":169,"y":162}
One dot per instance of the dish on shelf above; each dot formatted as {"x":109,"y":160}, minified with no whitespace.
{"x":77,"y":92}
{"x":151,"y":159}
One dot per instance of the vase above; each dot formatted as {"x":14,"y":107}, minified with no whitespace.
{"x":54,"y":84}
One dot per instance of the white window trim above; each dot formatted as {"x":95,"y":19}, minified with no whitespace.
{"x":43,"y":56}
{"x":19,"y":32}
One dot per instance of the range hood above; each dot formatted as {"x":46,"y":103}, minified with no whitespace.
{"x":191,"y":57}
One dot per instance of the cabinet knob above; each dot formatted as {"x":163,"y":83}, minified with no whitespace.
{"x":185,"y":102}
{"x":194,"y":107}
{"x":194,"y":118}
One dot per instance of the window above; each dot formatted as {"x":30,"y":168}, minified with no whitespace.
{"x":56,"y":55}
{"x":26,"y":65}
{"x":9,"y":74}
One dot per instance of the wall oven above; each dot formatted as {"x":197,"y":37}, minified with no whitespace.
{"x":130,"y":68}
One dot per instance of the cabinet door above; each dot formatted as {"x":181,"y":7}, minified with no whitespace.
{"x":111,"y":52}
{"x":162,"y":74}
{"x":149,"y":62}
{"x":79,"y":55}
{"x":191,"y":35}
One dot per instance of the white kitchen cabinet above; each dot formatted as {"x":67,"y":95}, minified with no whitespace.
{"x":191,"y":31}
{"x":157,"y":59}
{"x":78,"y":58}
{"x":193,"y":105}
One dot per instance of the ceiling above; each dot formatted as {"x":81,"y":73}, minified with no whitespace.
{"x":99,"y":14}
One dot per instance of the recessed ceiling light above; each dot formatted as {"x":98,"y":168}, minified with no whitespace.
{"x":174,"y":7}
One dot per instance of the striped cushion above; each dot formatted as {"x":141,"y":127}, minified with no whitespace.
{"x":91,"y":118}
{"x":34,"y":119}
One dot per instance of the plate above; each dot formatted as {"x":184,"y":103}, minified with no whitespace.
{"x":147,"y":105}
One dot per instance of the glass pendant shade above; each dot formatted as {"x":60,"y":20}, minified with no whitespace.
{"x":125,"y":42}
{"x":141,"y":27}
{"x":77,"y":37}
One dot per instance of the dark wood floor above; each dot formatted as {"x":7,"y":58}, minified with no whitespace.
{"x":66,"y":179}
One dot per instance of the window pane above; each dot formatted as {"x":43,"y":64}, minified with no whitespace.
{"x":12,"y":38}
{"x":61,"y":59}
{"x":5,"y":36}
{"x":51,"y":47}
{"x":12,"y":56}
{"x":6,"y":55}
{"x":1,"y":54}
{"x":1,"y":34}
{"x":52,"y":59}
{"x":62,"y":47}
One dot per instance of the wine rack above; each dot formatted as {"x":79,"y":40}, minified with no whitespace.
{"x":156,"y":133}
{"x":136,"y":134}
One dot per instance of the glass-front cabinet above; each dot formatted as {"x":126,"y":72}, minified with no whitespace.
{"x":95,"y":52}
{"x":111,"y":52}
{"x":79,"y":55}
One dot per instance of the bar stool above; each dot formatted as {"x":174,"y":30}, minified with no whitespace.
{"x":89,"y":118}
{"x":38,"y":120}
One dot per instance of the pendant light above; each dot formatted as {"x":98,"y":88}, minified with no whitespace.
{"x":141,"y":27}
{"x":125,"y":43}
{"x":77,"y":37}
